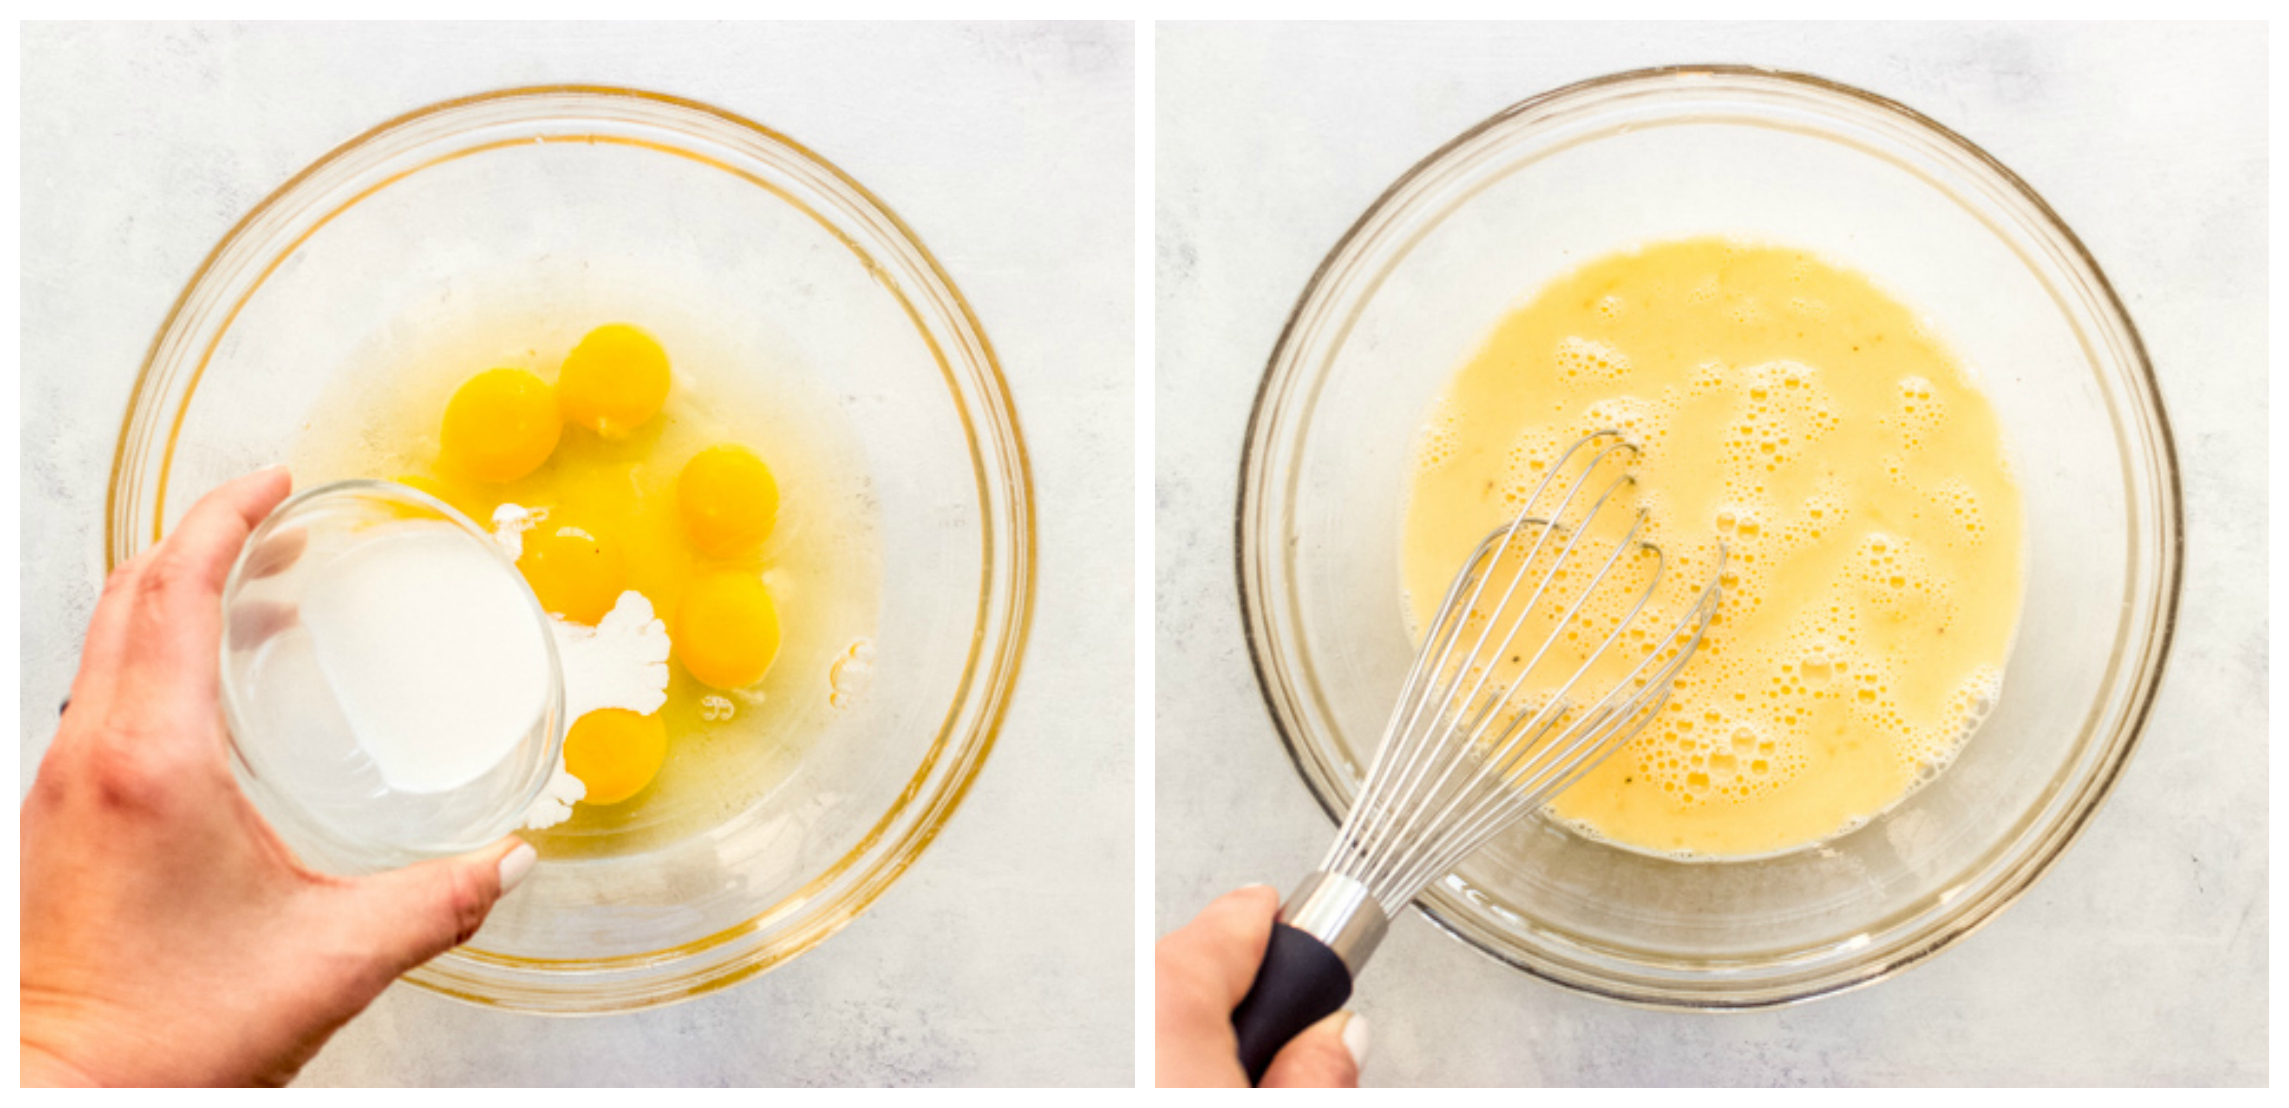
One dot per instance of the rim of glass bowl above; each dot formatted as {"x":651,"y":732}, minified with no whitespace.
{"x":1554,"y":121}
{"x":286,"y":806}
{"x":237,"y":267}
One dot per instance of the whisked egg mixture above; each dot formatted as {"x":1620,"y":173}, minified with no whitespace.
{"x":634,"y":466}
{"x":1848,"y":464}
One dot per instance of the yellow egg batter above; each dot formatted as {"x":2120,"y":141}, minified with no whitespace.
{"x":1794,"y":413}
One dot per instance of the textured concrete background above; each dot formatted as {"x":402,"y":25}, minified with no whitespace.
{"x":1006,"y":955}
{"x":2141,"y":957}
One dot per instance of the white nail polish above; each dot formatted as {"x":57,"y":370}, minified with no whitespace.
{"x":517,"y":866}
{"x":1355,"y":1039}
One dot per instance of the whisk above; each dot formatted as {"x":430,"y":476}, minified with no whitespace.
{"x":1482,"y":734}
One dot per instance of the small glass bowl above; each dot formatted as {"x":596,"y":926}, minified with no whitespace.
{"x":579,"y":203}
{"x":291,"y":744}
{"x":1482,"y":224}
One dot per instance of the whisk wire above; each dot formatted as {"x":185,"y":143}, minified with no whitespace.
{"x":1465,"y":752}
{"x":1403,"y":743}
{"x":1434,"y":805}
{"x":1448,"y":628}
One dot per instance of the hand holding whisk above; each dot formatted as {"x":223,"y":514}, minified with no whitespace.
{"x":1513,"y":695}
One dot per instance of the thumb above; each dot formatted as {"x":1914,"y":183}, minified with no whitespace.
{"x":1325,"y":1056}
{"x":419,"y":912}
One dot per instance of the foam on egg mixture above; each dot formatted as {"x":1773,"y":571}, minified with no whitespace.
{"x":1794,"y":413}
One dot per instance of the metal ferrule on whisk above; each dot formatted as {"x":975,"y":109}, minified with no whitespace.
{"x":1340,"y":912}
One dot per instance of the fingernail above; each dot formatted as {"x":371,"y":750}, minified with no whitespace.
{"x":517,"y":866}
{"x":1355,"y":1039}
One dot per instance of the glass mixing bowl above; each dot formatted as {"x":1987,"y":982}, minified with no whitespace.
{"x":1475,"y":230}
{"x":594,"y":198}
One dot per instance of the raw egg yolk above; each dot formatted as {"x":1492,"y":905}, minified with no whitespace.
{"x":500,"y":425}
{"x":576,"y":573}
{"x":728,"y":500}
{"x":615,"y":753}
{"x":613,"y":381}
{"x":726,"y":630}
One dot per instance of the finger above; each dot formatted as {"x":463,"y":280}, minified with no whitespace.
{"x":1222,"y":946}
{"x":417,"y":913}
{"x":213,"y":532}
{"x":1325,"y":1056}
{"x":101,"y":652}
{"x":177,"y":609}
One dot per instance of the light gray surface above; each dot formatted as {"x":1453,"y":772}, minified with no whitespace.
{"x":2141,"y":958}
{"x":1005,"y":955}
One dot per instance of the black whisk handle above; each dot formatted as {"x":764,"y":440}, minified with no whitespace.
{"x":1301,"y":982}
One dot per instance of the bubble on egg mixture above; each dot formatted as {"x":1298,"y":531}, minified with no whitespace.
{"x":1707,"y":377}
{"x":1930,"y":749}
{"x":1919,"y":413}
{"x":1958,"y":508}
{"x":1577,"y":357}
{"x":1746,"y":311}
{"x":1436,"y":438}
{"x":1809,"y":307}
{"x":1642,"y":421}
{"x":1783,"y":410}
{"x":851,"y":674}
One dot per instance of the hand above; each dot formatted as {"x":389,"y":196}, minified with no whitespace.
{"x":169,"y":937}
{"x":1201,"y":972}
